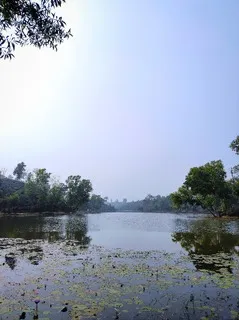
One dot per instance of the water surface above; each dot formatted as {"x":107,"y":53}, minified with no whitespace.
{"x":119,"y":266}
{"x":132,"y":231}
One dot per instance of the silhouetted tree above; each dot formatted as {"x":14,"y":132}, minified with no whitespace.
{"x":20,"y":171}
{"x":27,"y":22}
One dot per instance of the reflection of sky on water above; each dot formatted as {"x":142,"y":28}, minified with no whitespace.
{"x":136,"y":240}
{"x":139,"y":231}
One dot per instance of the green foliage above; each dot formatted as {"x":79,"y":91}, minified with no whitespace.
{"x":40,"y":194}
{"x":10,"y":203}
{"x":156,"y":204}
{"x":206,"y":186}
{"x":9,"y":186}
{"x":37,"y":188}
{"x":235,"y":187}
{"x":20,"y":171}
{"x":78,"y":192}
{"x":148,"y":204}
{"x":235,"y":145}
{"x":235,"y":171}
{"x":27,"y":22}
{"x":98,"y":204}
{"x":3,"y":172}
{"x":181,"y":197}
{"x":56,"y":197}
{"x":207,"y":179}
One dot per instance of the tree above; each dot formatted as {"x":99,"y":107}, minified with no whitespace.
{"x":235,"y":147}
{"x":235,"y":174}
{"x":20,"y":171}
{"x":206,"y":237}
{"x":56,"y":197}
{"x":41,"y":192}
{"x":206,"y":186}
{"x":42,"y":177}
{"x":96,"y":203}
{"x":78,"y":192}
{"x":28,"y":22}
{"x":149,"y":204}
{"x":37,"y":188}
{"x":3,"y":172}
{"x":12,"y":201}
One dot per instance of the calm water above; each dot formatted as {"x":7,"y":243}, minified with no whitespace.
{"x":119,"y":266}
{"x":133,"y":231}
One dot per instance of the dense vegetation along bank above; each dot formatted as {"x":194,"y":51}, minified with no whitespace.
{"x":208,"y":187}
{"x":152,"y":203}
{"x":39,"y":191}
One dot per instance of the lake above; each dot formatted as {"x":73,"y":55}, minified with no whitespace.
{"x":119,"y":266}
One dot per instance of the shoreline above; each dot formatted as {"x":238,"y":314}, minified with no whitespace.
{"x":24,"y":214}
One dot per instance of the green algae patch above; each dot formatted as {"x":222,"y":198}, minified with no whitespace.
{"x":92,"y":283}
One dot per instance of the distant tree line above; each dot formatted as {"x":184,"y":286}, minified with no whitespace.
{"x":97,"y":204}
{"x":152,"y":204}
{"x":39,"y":191}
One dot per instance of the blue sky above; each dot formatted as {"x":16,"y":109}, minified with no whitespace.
{"x":141,"y":93}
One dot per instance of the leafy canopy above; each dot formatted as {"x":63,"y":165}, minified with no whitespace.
{"x":40,"y":192}
{"x":206,"y":186}
{"x":78,"y":191}
{"x":20,"y":171}
{"x":37,"y":188}
{"x":235,"y":147}
{"x":27,"y":22}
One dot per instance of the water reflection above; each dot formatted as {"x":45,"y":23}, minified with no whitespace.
{"x":31,"y":228}
{"x":209,"y":244}
{"x":200,"y":236}
{"x":46,"y":228}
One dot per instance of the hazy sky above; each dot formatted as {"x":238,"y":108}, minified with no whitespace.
{"x":141,"y":93}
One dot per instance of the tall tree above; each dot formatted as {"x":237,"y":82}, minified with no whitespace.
{"x":20,"y":171}
{"x":206,"y":186}
{"x":235,"y":147}
{"x":56,"y":197}
{"x":235,"y":172}
{"x":37,"y":189}
{"x":78,"y":192}
{"x":27,"y":22}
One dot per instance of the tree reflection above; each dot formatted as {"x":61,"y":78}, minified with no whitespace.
{"x":48,"y":228}
{"x":76,"y":229}
{"x":206,"y":239}
{"x":28,"y":227}
{"x":53,"y":229}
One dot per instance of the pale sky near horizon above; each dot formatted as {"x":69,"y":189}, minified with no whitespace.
{"x":141,"y":93}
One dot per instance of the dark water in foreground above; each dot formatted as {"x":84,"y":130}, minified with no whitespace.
{"x":119,"y":266}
